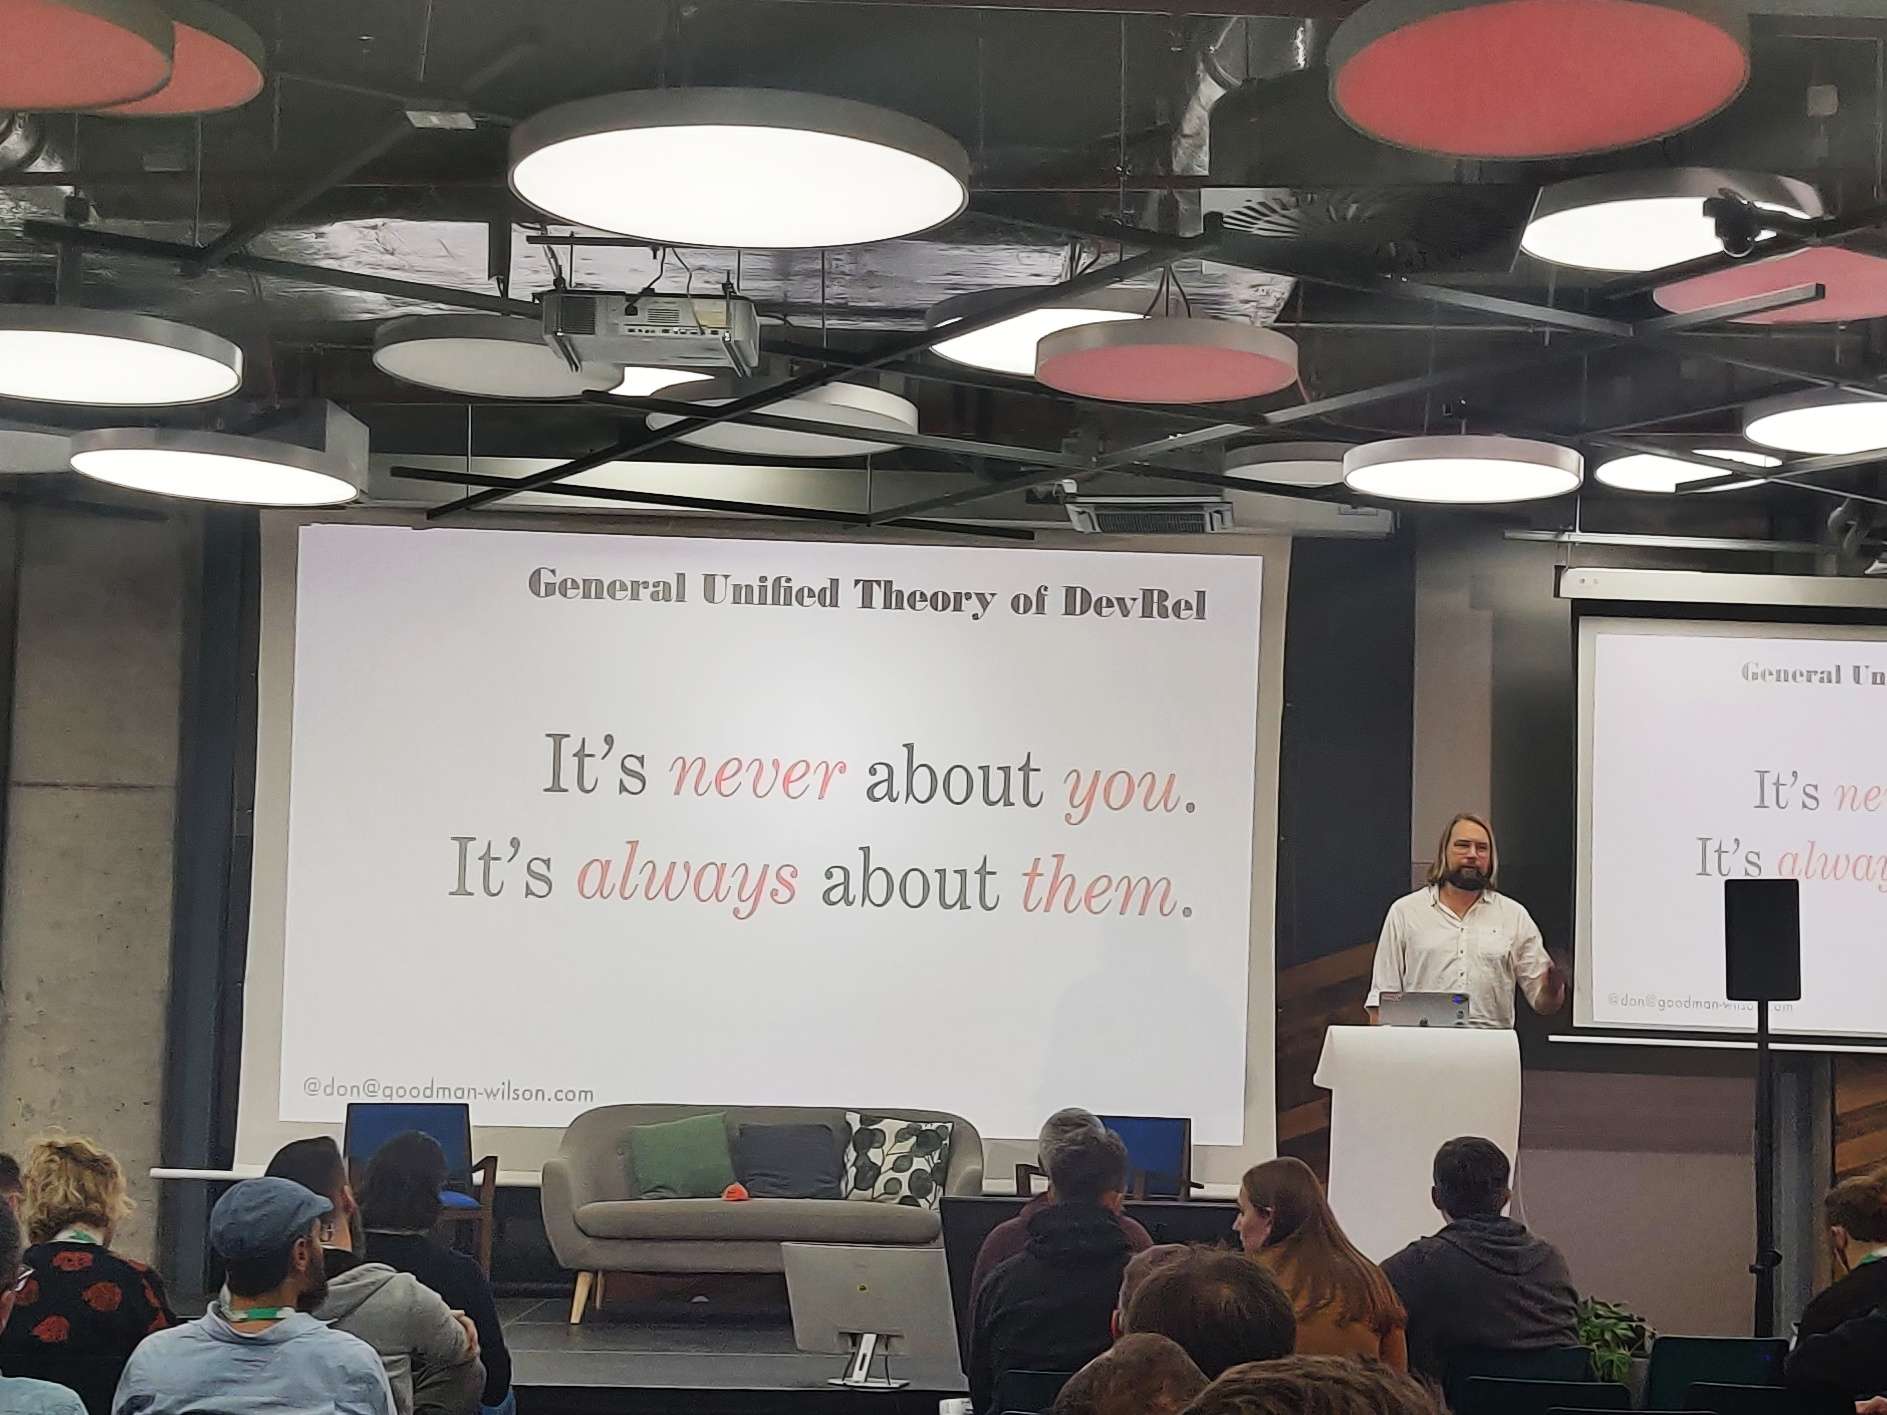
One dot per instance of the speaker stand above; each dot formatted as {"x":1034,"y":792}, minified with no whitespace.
{"x":1767,"y":1258}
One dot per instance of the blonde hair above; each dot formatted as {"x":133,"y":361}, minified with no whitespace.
{"x":68,"y":1179}
{"x":1440,"y":865}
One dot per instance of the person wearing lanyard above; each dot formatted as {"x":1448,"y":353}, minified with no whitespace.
{"x":85,"y":1307}
{"x":1856,"y":1214}
{"x":258,"y":1351}
{"x":1460,"y":935}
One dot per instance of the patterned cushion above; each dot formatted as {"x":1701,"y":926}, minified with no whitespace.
{"x":894,"y":1161}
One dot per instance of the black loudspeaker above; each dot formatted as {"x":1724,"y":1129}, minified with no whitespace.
{"x":1762,"y":939}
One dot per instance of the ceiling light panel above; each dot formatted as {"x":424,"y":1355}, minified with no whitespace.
{"x":104,"y":358}
{"x":207,"y":466}
{"x":739,"y":167}
{"x":1635,"y":221}
{"x":1462,"y":470}
{"x":848,"y":403}
{"x":216,"y":65}
{"x":1823,"y":422}
{"x":1168,"y":361}
{"x":482,"y":356}
{"x":67,"y":54}
{"x":1009,"y":346}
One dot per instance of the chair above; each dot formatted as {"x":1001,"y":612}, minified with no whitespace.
{"x":1030,"y":1392}
{"x":470,"y":1187}
{"x":1550,"y":1363}
{"x":1159,"y":1154}
{"x":1493,"y":1395}
{"x":1764,"y":1400}
{"x":1680,"y":1362}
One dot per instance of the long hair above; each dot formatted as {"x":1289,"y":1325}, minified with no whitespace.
{"x":402,"y":1184}
{"x":68,"y":1179}
{"x":1307,"y":1248}
{"x":1439,"y":866}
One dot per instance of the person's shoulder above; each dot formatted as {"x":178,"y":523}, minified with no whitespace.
{"x":22,"y":1395}
{"x":1412,"y":1257}
{"x":1511,"y":907}
{"x":344,"y":1348}
{"x":1412,"y":903}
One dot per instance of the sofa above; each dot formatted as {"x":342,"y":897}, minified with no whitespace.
{"x":596,"y":1226}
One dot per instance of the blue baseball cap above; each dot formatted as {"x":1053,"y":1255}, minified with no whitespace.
{"x":259,"y":1216}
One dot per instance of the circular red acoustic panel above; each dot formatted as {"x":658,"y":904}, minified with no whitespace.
{"x":1534,"y":78}
{"x":65,"y":54}
{"x":217,"y":65}
{"x":1856,"y":287}
{"x":1167,"y":361}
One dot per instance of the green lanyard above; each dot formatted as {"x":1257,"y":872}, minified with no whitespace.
{"x":261,"y":1314}
{"x":76,"y":1235}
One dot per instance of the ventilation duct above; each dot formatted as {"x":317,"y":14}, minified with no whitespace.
{"x":1148,"y":515}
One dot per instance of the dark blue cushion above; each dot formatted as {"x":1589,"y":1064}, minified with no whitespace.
{"x":790,"y":1161}
{"x":453,"y":1199}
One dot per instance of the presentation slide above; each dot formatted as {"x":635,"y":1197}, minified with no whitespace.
{"x":1714,"y":751}
{"x":576,"y":819}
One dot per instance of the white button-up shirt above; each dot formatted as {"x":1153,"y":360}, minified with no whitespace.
{"x":1425,"y":948}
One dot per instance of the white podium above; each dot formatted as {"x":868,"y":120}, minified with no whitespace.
{"x":1396,"y":1093}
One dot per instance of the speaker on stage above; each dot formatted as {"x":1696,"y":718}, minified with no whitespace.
{"x":1762,"y":939}
{"x":1762,"y":944}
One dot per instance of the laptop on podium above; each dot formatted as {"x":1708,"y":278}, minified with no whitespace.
{"x":1423,"y":1009}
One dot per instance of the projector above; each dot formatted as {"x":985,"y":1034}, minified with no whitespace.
{"x":668,"y":331}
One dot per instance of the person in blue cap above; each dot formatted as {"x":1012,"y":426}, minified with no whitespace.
{"x":260,"y":1352}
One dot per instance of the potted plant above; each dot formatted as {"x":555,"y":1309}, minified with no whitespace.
{"x":1619,"y":1340}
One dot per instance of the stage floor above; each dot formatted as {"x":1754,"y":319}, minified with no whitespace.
{"x":698,"y":1356}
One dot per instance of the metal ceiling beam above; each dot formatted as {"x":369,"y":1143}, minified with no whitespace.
{"x":629,"y":448}
{"x":626,"y":497}
{"x":52,"y":233}
{"x":1441,"y":378}
{"x":1255,"y":254}
{"x":240,"y":233}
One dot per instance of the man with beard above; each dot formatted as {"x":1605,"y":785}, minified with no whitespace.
{"x":259,"y":1352}
{"x":1460,"y":935}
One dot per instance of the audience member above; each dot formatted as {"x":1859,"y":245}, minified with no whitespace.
{"x":1139,"y":1267}
{"x":11,"y":1185}
{"x":1315,"y":1385}
{"x":1344,"y":1304}
{"x":429,"y":1351}
{"x":1222,"y":1308}
{"x":1138,"y":1375}
{"x":1011,"y":1236}
{"x":1484,"y":1280}
{"x":1849,"y":1359}
{"x":1050,"y":1307}
{"x":78,"y":1317}
{"x":22,"y":1395}
{"x":399,"y":1207}
{"x":258,"y":1351}
{"x":1857,"y":1232}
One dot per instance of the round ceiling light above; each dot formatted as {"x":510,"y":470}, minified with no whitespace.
{"x":1631,"y":221}
{"x":847,"y":403}
{"x":640,"y":382}
{"x":63,"y":54}
{"x":739,"y":167}
{"x":214,"y":466}
{"x":29,"y":449}
{"x":216,"y":65}
{"x":1855,"y":286}
{"x":59,"y":354}
{"x":1646,"y":471}
{"x":1823,"y":422}
{"x":1290,"y":463}
{"x":483,"y":355}
{"x":1534,"y":78}
{"x":1462,"y":470}
{"x":1009,"y":347}
{"x":1167,"y":361}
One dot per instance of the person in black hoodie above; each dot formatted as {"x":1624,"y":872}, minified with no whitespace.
{"x":1484,"y":1281}
{"x":1051,"y":1306}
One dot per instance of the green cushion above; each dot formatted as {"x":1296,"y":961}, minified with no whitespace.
{"x":682,"y":1159}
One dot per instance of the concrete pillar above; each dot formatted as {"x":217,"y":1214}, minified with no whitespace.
{"x":85,"y":911}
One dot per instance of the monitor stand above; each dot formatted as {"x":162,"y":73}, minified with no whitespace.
{"x":858,"y":1374}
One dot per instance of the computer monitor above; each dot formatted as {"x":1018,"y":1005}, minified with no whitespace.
{"x":869,"y":1302}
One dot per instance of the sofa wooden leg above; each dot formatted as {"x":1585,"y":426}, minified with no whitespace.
{"x":599,"y":1290}
{"x":582,"y":1298}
